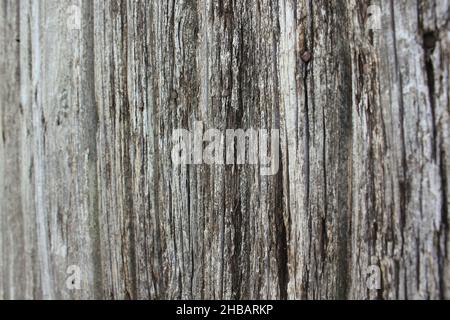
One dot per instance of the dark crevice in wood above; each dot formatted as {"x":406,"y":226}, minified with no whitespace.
{"x":443,"y":231}
{"x":429,"y":43}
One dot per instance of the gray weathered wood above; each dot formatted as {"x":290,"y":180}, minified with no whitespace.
{"x":86,"y":176}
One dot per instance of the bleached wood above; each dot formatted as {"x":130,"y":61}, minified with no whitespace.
{"x":86,"y":176}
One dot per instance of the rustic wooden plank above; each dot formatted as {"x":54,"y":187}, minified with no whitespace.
{"x":89,"y":106}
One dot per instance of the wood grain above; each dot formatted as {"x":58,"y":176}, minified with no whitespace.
{"x":86,"y":122}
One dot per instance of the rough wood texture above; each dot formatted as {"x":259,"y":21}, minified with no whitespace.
{"x":86,"y":176}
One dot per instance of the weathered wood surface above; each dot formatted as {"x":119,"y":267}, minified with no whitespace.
{"x":86,"y":122}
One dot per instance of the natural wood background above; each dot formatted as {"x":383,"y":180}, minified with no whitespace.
{"x":86,"y":121}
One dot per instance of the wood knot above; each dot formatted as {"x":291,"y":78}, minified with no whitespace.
{"x":429,"y":40}
{"x":306,"y":56}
